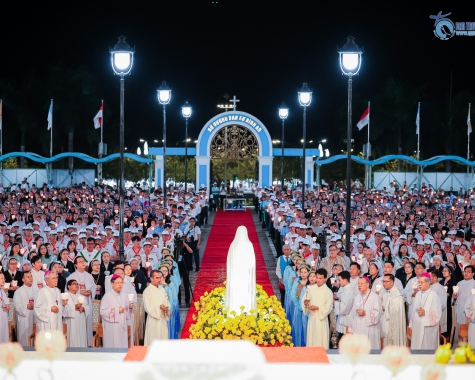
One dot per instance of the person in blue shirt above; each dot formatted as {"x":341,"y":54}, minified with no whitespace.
{"x":159,"y":227}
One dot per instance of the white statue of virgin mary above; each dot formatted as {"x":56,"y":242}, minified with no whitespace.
{"x":241,"y":274}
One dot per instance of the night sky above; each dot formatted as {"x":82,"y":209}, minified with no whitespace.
{"x":260,"y":51}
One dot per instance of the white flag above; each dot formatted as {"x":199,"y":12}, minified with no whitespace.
{"x":418,"y":118}
{"x":50,"y":116}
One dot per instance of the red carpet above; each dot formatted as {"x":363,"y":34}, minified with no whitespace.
{"x":213,"y":267}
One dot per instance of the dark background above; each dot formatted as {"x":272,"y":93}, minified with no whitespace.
{"x":260,"y":51}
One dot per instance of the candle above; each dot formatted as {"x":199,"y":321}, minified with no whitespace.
{"x":131,"y":297}
{"x":132,"y":278}
{"x":360,"y":261}
{"x":456,"y":289}
{"x":6,"y":285}
{"x":445,"y":287}
{"x":332,"y":280}
{"x":360,"y":256}
{"x":378,"y":288}
{"x":64,"y":296}
{"x":14,"y":283}
{"x":45,"y":266}
{"x":414,"y":286}
{"x":473,"y":291}
{"x":22,"y":251}
{"x":312,"y":263}
{"x":81,"y":299}
{"x":353,"y":257}
{"x":1,"y":267}
{"x":18,"y":265}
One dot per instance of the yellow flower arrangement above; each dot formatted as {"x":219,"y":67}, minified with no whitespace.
{"x":266,"y":326}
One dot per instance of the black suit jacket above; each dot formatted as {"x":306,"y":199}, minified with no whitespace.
{"x":18,"y":277}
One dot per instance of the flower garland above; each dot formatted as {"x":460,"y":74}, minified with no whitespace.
{"x":266,"y":326}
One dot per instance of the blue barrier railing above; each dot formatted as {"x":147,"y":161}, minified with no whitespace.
{"x":45,"y":160}
{"x":384,"y":159}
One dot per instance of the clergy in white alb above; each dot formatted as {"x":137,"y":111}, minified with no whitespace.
{"x":4,"y":310}
{"x":393,"y":319}
{"x":115,"y":311}
{"x":470,"y":313}
{"x":49,"y":305}
{"x":412,"y":287}
{"x":74,"y":315}
{"x":464,"y":292}
{"x":37,"y":273}
{"x":87,"y":287}
{"x":442,"y":293}
{"x":317,"y":304}
{"x":129,"y":289}
{"x":366,"y":313}
{"x":425,"y":317}
{"x":24,"y":301}
{"x":157,"y":307}
{"x":240,"y":274}
{"x":343,"y":304}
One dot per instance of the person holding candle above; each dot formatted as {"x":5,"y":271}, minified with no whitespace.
{"x":13,"y":276}
{"x":49,"y":305}
{"x":344,"y":302}
{"x":317,"y":303}
{"x":461,"y":294}
{"x":470,"y":313}
{"x":23,"y":301}
{"x":393,"y":319}
{"x":87,"y":287}
{"x":364,"y":317}
{"x":412,"y":287}
{"x":157,"y":306}
{"x":37,"y":273}
{"x":425,"y":317}
{"x":99,"y":279}
{"x":74,"y":315}
{"x":442,"y":293}
{"x":116,"y":310}
{"x":282,"y":262}
{"x":4,"y":310}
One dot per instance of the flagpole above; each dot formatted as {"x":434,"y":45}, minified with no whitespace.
{"x":469,"y":131}
{"x":50,"y":165}
{"x":1,"y":139}
{"x":368,"y":172}
{"x":101,"y":150}
{"x":418,"y":144}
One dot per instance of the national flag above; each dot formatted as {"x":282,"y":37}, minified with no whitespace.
{"x":364,"y":119}
{"x":469,"y":124}
{"x":98,"y":118}
{"x":50,"y":116}
{"x":418,"y":118}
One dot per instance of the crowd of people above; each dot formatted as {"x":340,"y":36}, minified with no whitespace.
{"x":408,"y":275}
{"x":59,"y":255}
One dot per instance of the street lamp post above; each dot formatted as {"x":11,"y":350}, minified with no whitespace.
{"x":164,"y":95}
{"x":350,"y":64}
{"x":305,"y":98}
{"x":283,"y":114}
{"x":186,"y":112}
{"x":122,"y":60}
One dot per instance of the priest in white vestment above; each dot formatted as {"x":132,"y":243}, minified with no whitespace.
{"x":38,"y":274}
{"x":425,"y":317}
{"x":115,"y":310}
{"x":470,"y":313}
{"x":24,"y":302}
{"x":157,"y":307}
{"x":87,"y":288}
{"x":442,"y":293}
{"x":49,"y":305}
{"x":378,"y":286}
{"x":317,"y":304}
{"x":412,"y":287}
{"x":241,"y":274}
{"x":464,"y":292}
{"x":74,"y":314}
{"x":366,"y":313}
{"x":393,"y":320}
{"x":342,"y":306}
{"x":4,"y":310}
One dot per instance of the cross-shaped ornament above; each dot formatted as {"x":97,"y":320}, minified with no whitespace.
{"x":234,"y":101}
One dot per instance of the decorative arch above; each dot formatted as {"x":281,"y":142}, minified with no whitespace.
{"x":203,"y":148}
